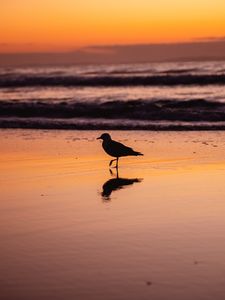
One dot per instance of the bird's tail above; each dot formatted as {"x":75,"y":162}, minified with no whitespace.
{"x":137,"y":153}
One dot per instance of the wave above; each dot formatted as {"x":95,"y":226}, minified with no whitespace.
{"x":111,"y":81}
{"x":102,"y":124}
{"x":177,"y":110}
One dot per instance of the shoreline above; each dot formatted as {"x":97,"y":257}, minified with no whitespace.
{"x":23,"y":125}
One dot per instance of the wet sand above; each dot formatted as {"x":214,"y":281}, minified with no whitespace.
{"x":155,"y":232}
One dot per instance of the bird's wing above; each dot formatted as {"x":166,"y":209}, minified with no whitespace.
{"x":121,"y":149}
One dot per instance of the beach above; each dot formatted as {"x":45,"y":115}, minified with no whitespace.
{"x":70,"y":229}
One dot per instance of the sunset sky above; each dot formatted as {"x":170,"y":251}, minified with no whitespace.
{"x":60,"y":25}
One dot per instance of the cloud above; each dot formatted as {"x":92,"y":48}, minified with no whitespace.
{"x":4,"y":44}
{"x":98,"y":50}
{"x":15,"y":44}
{"x":210,"y":39}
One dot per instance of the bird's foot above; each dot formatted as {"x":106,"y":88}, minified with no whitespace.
{"x":115,"y":167}
{"x":111,"y":162}
{"x":116,"y":175}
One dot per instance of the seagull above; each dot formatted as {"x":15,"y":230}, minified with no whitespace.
{"x":116,"y":149}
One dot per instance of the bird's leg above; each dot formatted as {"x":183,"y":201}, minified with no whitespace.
{"x":117,"y":159}
{"x":111,"y":161}
{"x":117,"y":173}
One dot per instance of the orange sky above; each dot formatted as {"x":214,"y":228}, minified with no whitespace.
{"x":55,"y":25}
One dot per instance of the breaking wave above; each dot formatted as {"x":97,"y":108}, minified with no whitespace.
{"x":138,"y":114}
{"x":169,"y":79}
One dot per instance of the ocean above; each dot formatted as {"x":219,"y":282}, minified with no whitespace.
{"x":151,"y":96}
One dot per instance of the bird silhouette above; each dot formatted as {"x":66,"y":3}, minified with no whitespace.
{"x":116,"y":149}
{"x":115,"y":184}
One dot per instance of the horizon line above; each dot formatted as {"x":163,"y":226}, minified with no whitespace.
{"x":208,"y":40}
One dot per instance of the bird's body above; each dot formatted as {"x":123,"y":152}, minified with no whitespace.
{"x":116,"y":149}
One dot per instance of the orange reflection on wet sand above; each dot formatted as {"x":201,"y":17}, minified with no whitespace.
{"x":160,"y":237}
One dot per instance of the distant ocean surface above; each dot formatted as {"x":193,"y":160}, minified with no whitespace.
{"x":156,"y":96}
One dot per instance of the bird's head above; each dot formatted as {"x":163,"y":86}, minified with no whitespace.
{"x":104,"y":137}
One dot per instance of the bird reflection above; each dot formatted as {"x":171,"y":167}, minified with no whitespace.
{"x":115,"y":184}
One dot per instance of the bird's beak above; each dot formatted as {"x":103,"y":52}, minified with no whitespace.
{"x":98,"y":138}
